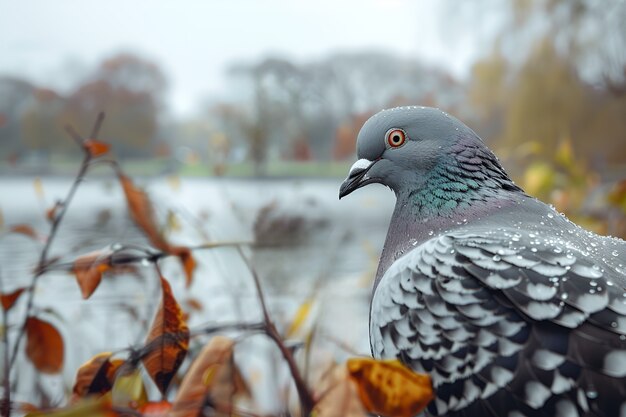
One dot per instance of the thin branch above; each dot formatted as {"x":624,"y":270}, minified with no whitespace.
{"x":56,"y":221}
{"x":96,"y":127}
{"x":5,"y":406}
{"x":120,"y":258}
{"x":41,"y":264}
{"x":306,"y":399}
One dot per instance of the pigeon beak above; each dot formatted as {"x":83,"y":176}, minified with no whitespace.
{"x":357,"y":177}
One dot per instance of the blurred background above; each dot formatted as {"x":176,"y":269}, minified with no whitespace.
{"x":241,"y":118}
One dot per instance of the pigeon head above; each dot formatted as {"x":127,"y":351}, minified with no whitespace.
{"x":429,"y":159}
{"x":400,"y":147}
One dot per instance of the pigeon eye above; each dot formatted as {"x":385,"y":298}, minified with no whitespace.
{"x":395,"y":137}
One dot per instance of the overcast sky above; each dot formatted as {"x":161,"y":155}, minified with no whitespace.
{"x":193,"y":41}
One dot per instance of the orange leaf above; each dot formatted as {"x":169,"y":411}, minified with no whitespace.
{"x":24,"y":229}
{"x":95,"y":147}
{"x":155,"y":409}
{"x":389,"y":388}
{"x":211,"y":374}
{"x":142,"y":212}
{"x":168,"y":340}
{"x":89,"y":269}
{"x":188,"y":261}
{"x":194,"y":304}
{"x":340,"y":396}
{"x":95,"y":376}
{"x":9,"y":299}
{"x":44,"y":346}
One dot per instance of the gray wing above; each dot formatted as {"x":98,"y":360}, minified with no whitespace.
{"x":507,"y":324}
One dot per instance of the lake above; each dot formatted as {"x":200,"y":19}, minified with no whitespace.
{"x":309,"y":246}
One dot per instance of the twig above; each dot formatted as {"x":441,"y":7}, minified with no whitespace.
{"x":227,"y":326}
{"x":56,"y":221}
{"x":306,"y":399}
{"x":5,"y":407}
{"x":119,"y":258}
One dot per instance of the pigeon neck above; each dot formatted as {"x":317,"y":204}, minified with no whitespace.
{"x":468,"y":177}
{"x":462,"y":187}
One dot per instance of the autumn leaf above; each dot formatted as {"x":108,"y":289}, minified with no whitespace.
{"x":194,"y":304}
{"x":389,"y":388}
{"x":38,"y":186}
{"x":212,"y":374}
{"x":44,"y":346}
{"x":155,"y":409}
{"x":339,"y":395}
{"x":142,"y":212}
{"x":129,"y":390}
{"x":96,"y":376}
{"x":9,"y":299}
{"x":188,"y":261}
{"x":168,"y":340}
{"x":95,"y":147}
{"x":89,"y":268}
{"x":300,"y":318}
{"x":24,"y":229}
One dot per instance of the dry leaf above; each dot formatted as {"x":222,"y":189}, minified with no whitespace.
{"x":389,"y":388}
{"x":96,"y":376}
{"x":9,"y":299}
{"x":44,"y":346}
{"x":142,"y":212}
{"x":340,"y":396}
{"x":168,"y":340}
{"x":24,"y":229}
{"x":194,"y":304}
{"x":188,"y":261}
{"x":96,"y":148}
{"x":89,"y":269}
{"x":212,"y":374}
{"x":51,"y":213}
{"x":155,"y":409}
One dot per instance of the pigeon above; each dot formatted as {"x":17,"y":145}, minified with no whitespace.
{"x":512,"y":309}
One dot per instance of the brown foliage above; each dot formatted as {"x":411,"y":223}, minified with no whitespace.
{"x":339,"y":395}
{"x":96,"y":376}
{"x":142,"y":213}
{"x":24,"y":229}
{"x":9,"y":299}
{"x":96,"y":148}
{"x":213,"y":376}
{"x":168,"y":340}
{"x":89,"y":269}
{"x":44,"y":346}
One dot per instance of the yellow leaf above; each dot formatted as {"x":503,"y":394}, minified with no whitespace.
{"x":538,"y":179}
{"x":300,"y":318}
{"x":38,"y":186}
{"x":389,"y":388}
{"x":128,"y":390}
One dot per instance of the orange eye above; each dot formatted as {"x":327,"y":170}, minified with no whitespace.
{"x":396,"y":138}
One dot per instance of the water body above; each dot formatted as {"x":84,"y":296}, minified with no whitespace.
{"x":309,"y":245}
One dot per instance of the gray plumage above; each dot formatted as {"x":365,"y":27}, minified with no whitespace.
{"x":510,"y":307}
